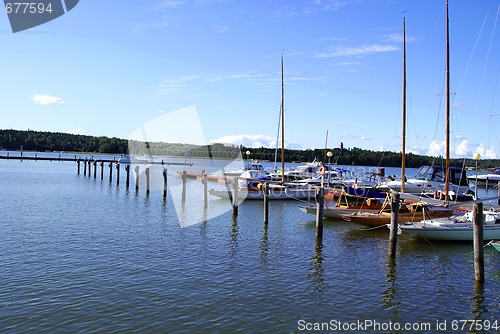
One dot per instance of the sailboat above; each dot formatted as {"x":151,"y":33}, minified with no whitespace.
{"x":372,"y":215}
{"x":457,"y":227}
{"x":432,"y":179}
{"x":279,"y":190}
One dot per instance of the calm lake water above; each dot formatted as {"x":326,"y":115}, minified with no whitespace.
{"x":81,"y":254}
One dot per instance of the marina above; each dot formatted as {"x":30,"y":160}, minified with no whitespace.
{"x":83,"y":254}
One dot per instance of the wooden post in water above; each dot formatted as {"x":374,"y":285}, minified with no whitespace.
{"x":393,"y":234}
{"x":165,"y":183}
{"x":320,"y":202}
{"x":265,"y":189}
{"x":498,"y":187}
{"x":110,"y":172}
{"x":90,"y":167}
{"x":235,"y":196}
{"x":478,"y":243}
{"x":84,"y":167}
{"x":127,"y":181}
{"x":117,"y":173}
{"x":184,"y":178}
{"x":102,"y":170}
{"x":78,"y":166}
{"x":204,"y":180}
{"x":146,"y":171}
{"x":95,"y":169}
{"x":136,"y":169}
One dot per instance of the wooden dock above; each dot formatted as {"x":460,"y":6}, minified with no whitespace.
{"x":91,"y":159}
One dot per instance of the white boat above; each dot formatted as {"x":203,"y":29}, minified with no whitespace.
{"x":251,"y":179}
{"x":130,"y":159}
{"x":487,"y":180}
{"x":302,"y":172}
{"x":332,"y":176}
{"x":455,"y":228}
{"x":249,"y":166}
{"x":431,"y":179}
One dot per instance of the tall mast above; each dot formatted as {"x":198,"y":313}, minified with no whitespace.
{"x":447,"y":179}
{"x":403,"y":150}
{"x":282,"y":124}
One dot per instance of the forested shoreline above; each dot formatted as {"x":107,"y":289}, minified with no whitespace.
{"x":57,"y":141}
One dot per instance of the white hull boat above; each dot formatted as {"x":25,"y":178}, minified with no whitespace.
{"x":456,"y":228}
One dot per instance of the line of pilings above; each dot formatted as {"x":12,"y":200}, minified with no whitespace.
{"x":87,"y":171}
{"x":478,"y":237}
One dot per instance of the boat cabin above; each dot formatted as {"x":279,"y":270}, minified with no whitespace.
{"x":437,"y":173}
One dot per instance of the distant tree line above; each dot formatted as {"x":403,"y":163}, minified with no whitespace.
{"x":57,"y":141}
{"x":360,"y":157}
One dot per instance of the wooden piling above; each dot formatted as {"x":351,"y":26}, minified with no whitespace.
{"x":136,"y":169}
{"x":90,"y":167}
{"x":117,"y":173}
{"x":204,"y":180}
{"x":478,"y":243}
{"x":165,"y":183}
{"x":393,"y":234}
{"x":184,"y":178}
{"x":127,"y":171}
{"x":265,"y":189}
{"x":95,"y":169}
{"x":84,"y":167}
{"x":235,"y":196}
{"x":320,"y":202}
{"x":146,"y":171}
{"x":78,"y":166}
{"x":102,"y":170}
{"x":110,"y":172}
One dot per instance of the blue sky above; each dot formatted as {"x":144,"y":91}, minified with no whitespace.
{"x":108,"y":67}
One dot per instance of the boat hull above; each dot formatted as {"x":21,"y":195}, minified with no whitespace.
{"x":334,"y":213}
{"x":286,"y":194}
{"x":496,"y":245}
{"x":379,"y":219}
{"x":452,"y":233}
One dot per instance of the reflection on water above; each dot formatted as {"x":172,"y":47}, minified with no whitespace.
{"x":85,"y":255}
{"x":391,"y":298}
{"x":477,"y":302}
{"x":317,"y":270}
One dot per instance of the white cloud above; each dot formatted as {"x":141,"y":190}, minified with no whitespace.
{"x":357,"y":51}
{"x":167,"y":4}
{"x":486,"y":153}
{"x":46,"y":99}
{"x":462,"y":149}
{"x":176,"y":86}
{"x":77,"y":131}
{"x":437,"y":148}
